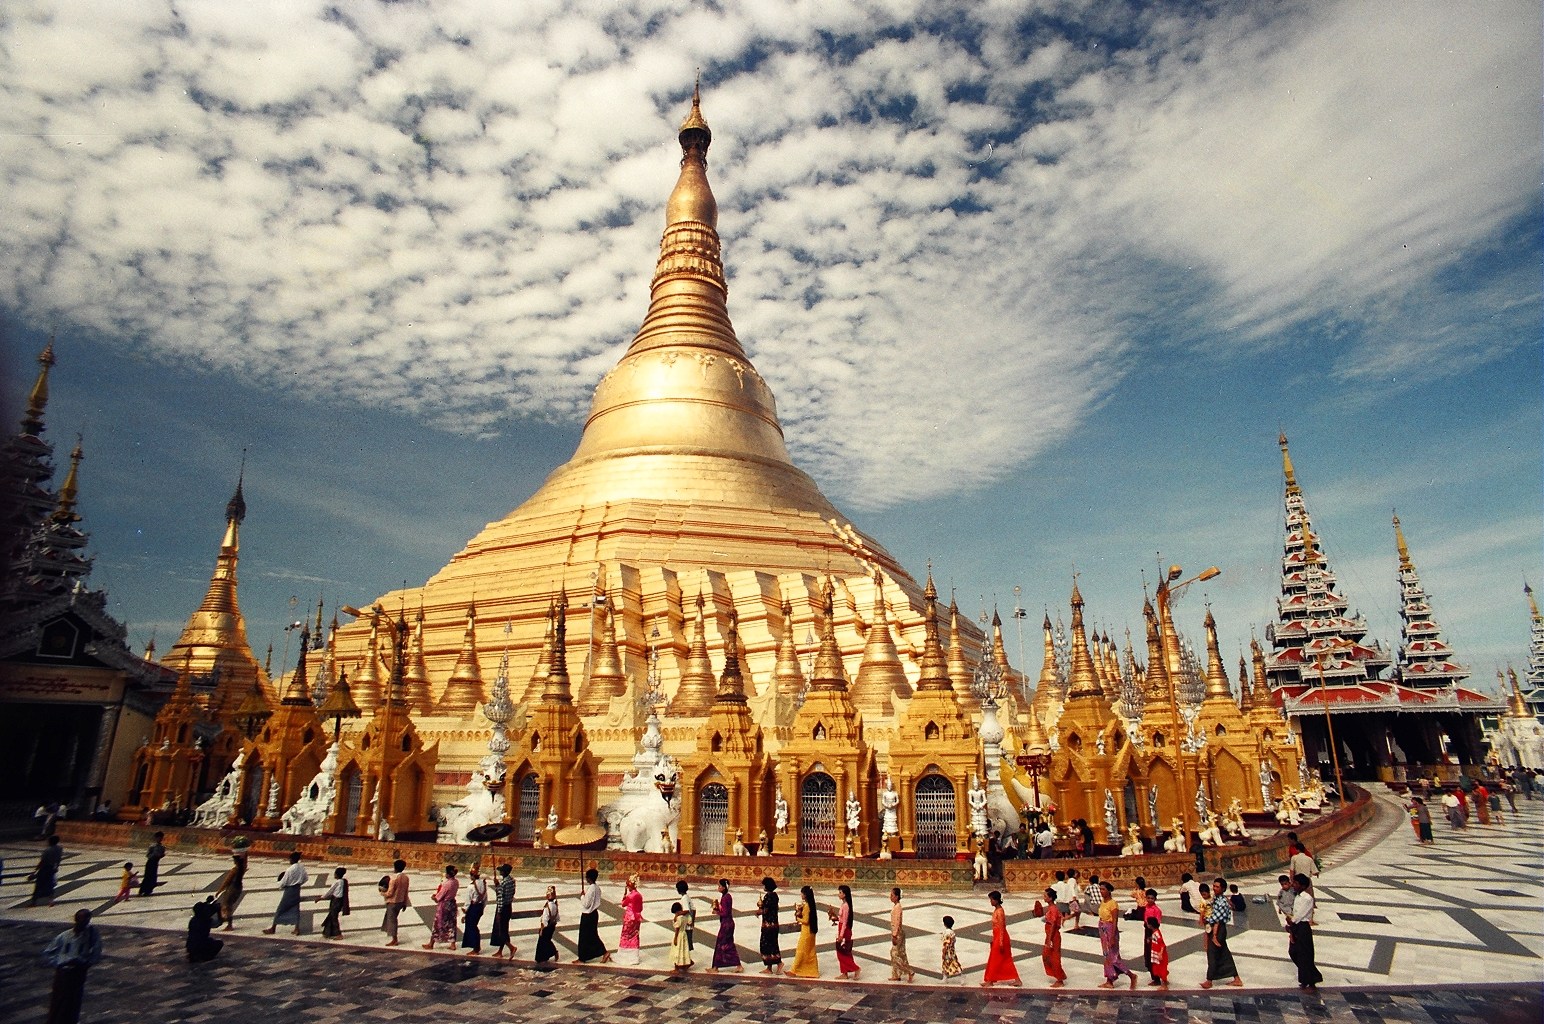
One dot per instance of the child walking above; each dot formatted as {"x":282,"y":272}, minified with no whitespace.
{"x":127,"y":882}
{"x":951,"y":960}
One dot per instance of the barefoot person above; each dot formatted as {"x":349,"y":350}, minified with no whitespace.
{"x":1219,"y":959}
{"x":1109,"y":938}
{"x":999,"y":962}
{"x":726,"y":956}
{"x":1050,"y":953}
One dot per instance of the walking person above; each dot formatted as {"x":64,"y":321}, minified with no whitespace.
{"x":126,"y":882}
{"x":899,"y":964}
{"x":590,"y":946}
{"x":291,"y":879}
{"x":1109,"y":938}
{"x":476,"y":903}
{"x":841,"y":916}
{"x":805,"y":963}
{"x":396,"y":896}
{"x":999,"y":961}
{"x":1093,"y":896}
{"x":691,"y":915}
{"x":337,"y":904}
{"x":228,"y":895}
{"x":766,"y":909}
{"x":1155,"y":950}
{"x":1219,"y":959}
{"x":1073,"y":890}
{"x":503,"y":908}
{"x":632,"y":921}
{"x":1050,"y":953}
{"x":152,"y":876}
{"x":444,"y":897}
{"x":1300,"y":928}
{"x":547,"y":925}
{"x":949,"y":957}
{"x":45,"y":877}
{"x":71,"y":953}
{"x":680,"y":945}
{"x":726,"y":957}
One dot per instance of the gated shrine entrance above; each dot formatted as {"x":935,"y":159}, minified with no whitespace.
{"x":817,"y":814}
{"x":934,"y":810}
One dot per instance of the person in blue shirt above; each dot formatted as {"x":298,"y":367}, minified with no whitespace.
{"x":1219,"y":960}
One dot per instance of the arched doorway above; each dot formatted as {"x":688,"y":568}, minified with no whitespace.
{"x":817,"y":814}
{"x":529,"y":810}
{"x":353,"y":798}
{"x":934,"y":808}
{"x":712,"y":818}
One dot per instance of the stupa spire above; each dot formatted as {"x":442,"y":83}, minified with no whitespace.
{"x":731,"y":685}
{"x":37,"y":398}
{"x":415,"y":675}
{"x":935,"y":669}
{"x":298,"y":693}
{"x":1425,"y":659}
{"x":1216,"y":676}
{"x":829,"y":673}
{"x":464,"y":691}
{"x":698,"y":688}
{"x":1085,"y":683}
{"x":556,"y":690}
{"x":788,"y":674}
{"x":69,"y":491}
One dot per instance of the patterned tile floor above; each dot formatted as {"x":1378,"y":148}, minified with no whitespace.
{"x":1448,"y":933}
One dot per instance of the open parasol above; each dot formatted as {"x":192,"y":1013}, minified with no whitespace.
{"x":489,"y":833}
{"x":579,"y":835}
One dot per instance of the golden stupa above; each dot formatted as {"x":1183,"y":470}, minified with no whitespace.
{"x":680,"y":506}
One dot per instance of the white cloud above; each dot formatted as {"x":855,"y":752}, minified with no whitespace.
{"x":453,"y":209}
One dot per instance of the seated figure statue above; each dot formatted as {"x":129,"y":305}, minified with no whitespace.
{"x":308,"y":815}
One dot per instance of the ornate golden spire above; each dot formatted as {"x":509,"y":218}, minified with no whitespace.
{"x":607,"y":679}
{"x":70,"y":489}
{"x":556,"y":690}
{"x":415,"y":674}
{"x":1405,"y":565}
{"x":1518,"y":707}
{"x":37,"y":399}
{"x":731,"y":685}
{"x":370,"y":673}
{"x":1245,"y":691}
{"x":1286,"y":466}
{"x":788,"y":675}
{"x":1084,"y":682}
{"x":298,"y":693}
{"x":880,"y":675}
{"x":829,"y":673}
{"x":1156,"y":696}
{"x":935,"y":669}
{"x":959,"y":667}
{"x":544,"y":659}
{"x":464,"y":691}
{"x":1533,"y":606}
{"x":1262,"y":686}
{"x":698,"y":688}
{"x":1048,"y":688}
{"x":216,"y":633}
{"x":1216,"y":676}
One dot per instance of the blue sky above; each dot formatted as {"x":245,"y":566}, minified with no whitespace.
{"x":1036,"y":286}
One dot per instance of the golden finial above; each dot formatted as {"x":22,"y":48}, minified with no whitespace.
{"x":695,"y":123}
{"x":236,"y":508}
{"x":1286,"y":464}
{"x":65,"y":513}
{"x":1399,"y":541}
{"x":1533,"y":606}
{"x":37,"y":400}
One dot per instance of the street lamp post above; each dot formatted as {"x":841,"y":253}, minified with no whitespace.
{"x":1165,"y":598}
{"x":394,"y":696}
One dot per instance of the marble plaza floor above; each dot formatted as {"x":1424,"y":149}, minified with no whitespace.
{"x":1452,"y":932}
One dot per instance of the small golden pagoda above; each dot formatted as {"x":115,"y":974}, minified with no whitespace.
{"x":826,"y":761}
{"x":1231,"y":755}
{"x":1278,"y":749}
{"x":290,"y":747}
{"x":553,"y":747}
{"x":464,"y":691}
{"x":165,"y":770}
{"x":934,"y":755}
{"x":1088,"y":734}
{"x":725,"y":779}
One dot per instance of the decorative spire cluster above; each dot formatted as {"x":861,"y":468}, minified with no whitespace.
{"x":1425,"y":659}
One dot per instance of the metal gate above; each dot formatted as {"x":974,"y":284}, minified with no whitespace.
{"x":817,"y":814}
{"x":530,"y":808}
{"x":353,"y":800}
{"x":934,"y":806}
{"x":712,"y":818}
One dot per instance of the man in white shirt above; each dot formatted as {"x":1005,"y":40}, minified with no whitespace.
{"x":291,"y":879}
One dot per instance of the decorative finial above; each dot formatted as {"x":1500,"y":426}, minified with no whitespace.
{"x":236,"y":508}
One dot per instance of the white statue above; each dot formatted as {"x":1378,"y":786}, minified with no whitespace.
{"x":1267,"y":801}
{"x":1211,"y":835}
{"x":854,"y":814}
{"x":739,"y":849}
{"x":1288,"y":812}
{"x":1177,"y":841}
{"x":780,"y":815}
{"x":1111,"y":819}
{"x":654,"y":825}
{"x":273,"y":798}
{"x":763,"y":846}
{"x":384,"y":831}
{"x":1133,"y":847}
{"x":1099,"y":743}
{"x":1152,"y":806}
{"x":216,"y":812}
{"x":482,"y":805}
{"x":636,"y":789}
{"x":308,"y":815}
{"x":552,"y":818}
{"x":1233,"y":820}
{"x":1312,"y":798}
{"x":976,"y":797}
{"x":889,"y":802}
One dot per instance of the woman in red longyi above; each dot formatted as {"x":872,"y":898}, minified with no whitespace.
{"x":999,"y":962}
